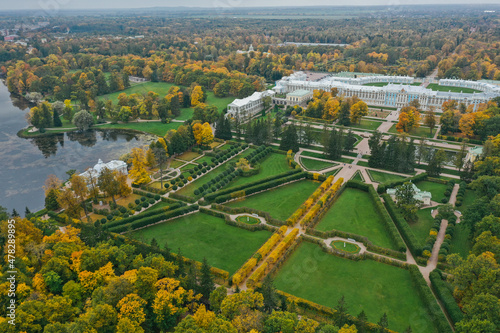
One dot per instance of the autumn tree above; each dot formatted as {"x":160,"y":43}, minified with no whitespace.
{"x":358,"y":110}
{"x":70,"y":202}
{"x":467,"y":124}
{"x":409,"y":119}
{"x":108,"y":183}
{"x":138,"y":170}
{"x":196,"y":96}
{"x":430,"y":119}
{"x":160,"y":152}
{"x":78,"y":185}
{"x":203,"y":134}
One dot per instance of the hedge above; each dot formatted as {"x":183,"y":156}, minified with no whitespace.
{"x":250,"y":227}
{"x":383,"y":187}
{"x":445,"y":296}
{"x":210,"y":197}
{"x":262,"y":187}
{"x":182,"y":197}
{"x":145,"y":221}
{"x":146,"y":213}
{"x":429,"y":300}
{"x":328,"y":197}
{"x":404,"y":229}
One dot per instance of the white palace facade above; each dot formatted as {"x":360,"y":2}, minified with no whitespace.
{"x":398,"y":93}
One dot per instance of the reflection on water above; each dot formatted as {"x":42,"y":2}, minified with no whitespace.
{"x":26,"y":163}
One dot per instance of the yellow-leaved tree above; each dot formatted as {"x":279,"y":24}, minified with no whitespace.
{"x":358,"y":110}
{"x":196,"y":96}
{"x":203,"y":133}
{"x":138,"y":171}
{"x":409,"y":119}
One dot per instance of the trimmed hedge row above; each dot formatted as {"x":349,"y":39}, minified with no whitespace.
{"x":146,"y":213}
{"x":145,"y":221}
{"x":282,"y":246}
{"x":322,"y":203}
{"x":210,"y":197}
{"x":295,"y":217}
{"x":404,"y":229}
{"x":429,"y":300}
{"x":445,"y":296}
{"x":182,"y":197}
{"x":459,"y":139}
{"x":262,"y":187}
{"x":243,"y":272}
{"x":461,"y":194}
{"x":383,"y":187}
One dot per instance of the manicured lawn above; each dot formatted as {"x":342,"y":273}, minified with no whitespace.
{"x":220,"y":103}
{"x":272,"y":165}
{"x":333,"y":172}
{"x":367,"y":124}
{"x":436,"y":189}
{"x":424,"y":224}
{"x":383,"y":177}
{"x":176,"y":163}
{"x":204,"y":236}
{"x":157,"y":128}
{"x":366,"y":285}
{"x":315,"y":165}
{"x":437,"y":87}
{"x":355,"y":212}
{"x":161,"y":88}
{"x":461,"y":243}
{"x":346,"y":246}
{"x":358,"y":176}
{"x":469,"y":198}
{"x":421,"y":131}
{"x":188,"y":156}
{"x":280,"y":202}
{"x":207,"y":159}
{"x":312,"y":154}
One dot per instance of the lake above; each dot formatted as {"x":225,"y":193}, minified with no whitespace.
{"x":26,"y":163}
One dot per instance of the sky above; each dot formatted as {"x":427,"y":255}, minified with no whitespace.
{"x":90,"y":4}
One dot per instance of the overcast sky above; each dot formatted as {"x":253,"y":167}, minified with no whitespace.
{"x":89,"y":4}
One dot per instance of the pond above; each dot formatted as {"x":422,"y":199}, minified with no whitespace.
{"x":26,"y":163}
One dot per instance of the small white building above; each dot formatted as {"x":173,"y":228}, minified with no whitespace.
{"x":249,"y":106}
{"x":299,"y":97}
{"x":423,"y":196}
{"x":114,"y":165}
{"x":473,"y":154}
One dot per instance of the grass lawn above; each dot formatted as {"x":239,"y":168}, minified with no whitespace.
{"x":383,"y":177}
{"x":424,"y":224}
{"x":156,"y":128}
{"x":358,"y":176}
{"x":248,"y":219}
{"x":346,"y":246}
{"x":367,"y":286}
{"x":175,"y":163}
{"x":436,"y":189}
{"x":280,"y":202}
{"x":161,"y":88}
{"x":315,"y":165}
{"x":355,"y":212}
{"x":312,"y":154}
{"x":469,"y":198}
{"x":126,"y":200}
{"x":437,"y":87}
{"x":460,"y":243}
{"x":204,"y":236}
{"x":383,"y":84}
{"x":272,"y":165}
{"x":421,"y":131}
{"x":207,"y":159}
{"x":188,"y":156}
{"x":221,"y":103}
{"x":333,"y":172}
{"x":367,"y":124}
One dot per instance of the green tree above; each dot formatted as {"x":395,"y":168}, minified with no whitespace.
{"x":436,"y":161}
{"x":207,"y":284}
{"x":268,"y":291}
{"x":51,"y":200}
{"x":83,"y":120}
{"x":290,"y":139}
{"x":406,"y":202}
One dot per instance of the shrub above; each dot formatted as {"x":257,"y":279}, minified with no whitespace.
{"x":137,"y":201}
{"x":143,"y":199}
{"x":444,"y":294}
